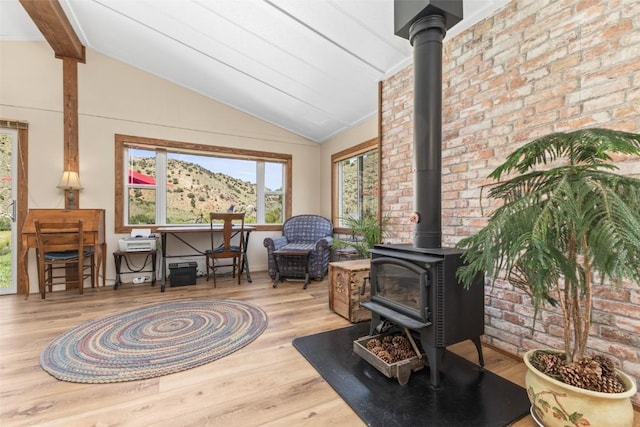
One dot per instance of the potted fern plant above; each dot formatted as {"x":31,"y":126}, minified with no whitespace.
{"x":566,"y":221}
{"x":367,"y":232}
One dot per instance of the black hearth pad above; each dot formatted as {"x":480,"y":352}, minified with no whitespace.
{"x":467,"y":395}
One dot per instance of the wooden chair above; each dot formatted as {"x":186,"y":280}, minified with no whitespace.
{"x":231,"y":246}
{"x":61,"y":256}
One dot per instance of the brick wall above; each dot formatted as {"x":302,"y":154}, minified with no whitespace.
{"x":535,"y":67}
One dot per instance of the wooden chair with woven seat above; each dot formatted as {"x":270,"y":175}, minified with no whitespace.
{"x":60,"y":250}
{"x":231,"y":246}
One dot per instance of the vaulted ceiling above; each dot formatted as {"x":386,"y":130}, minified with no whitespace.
{"x":309,"y":66}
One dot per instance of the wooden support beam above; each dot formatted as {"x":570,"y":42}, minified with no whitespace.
{"x":56,"y":28}
{"x":70,"y":111}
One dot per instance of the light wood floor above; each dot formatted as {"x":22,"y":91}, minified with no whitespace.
{"x":266,"y":383}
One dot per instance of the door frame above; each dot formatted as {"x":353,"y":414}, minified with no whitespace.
{"x":22,"y":182}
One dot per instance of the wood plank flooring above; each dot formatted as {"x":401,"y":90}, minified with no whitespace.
{"x":267,"y":383}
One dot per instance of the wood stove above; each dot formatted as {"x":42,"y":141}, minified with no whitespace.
{"x":417,"y":289}
{"x":415,"y":286}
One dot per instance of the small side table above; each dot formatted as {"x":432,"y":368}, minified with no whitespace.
{"x":119,"y":255}
{"x":302,"y":253}
{"x":346,"y":279}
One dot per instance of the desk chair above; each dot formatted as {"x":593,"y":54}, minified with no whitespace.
{"x":231,"y":246}
{"x":59,"y":249}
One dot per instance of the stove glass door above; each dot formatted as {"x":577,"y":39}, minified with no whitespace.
{"x":400,"y":285}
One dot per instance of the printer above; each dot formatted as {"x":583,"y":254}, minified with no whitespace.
{"x":141,"y":239}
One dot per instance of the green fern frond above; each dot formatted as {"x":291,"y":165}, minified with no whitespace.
{"x":585,"y":146}
{"x":369,"y":230}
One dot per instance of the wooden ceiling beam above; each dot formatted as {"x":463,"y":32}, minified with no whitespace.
{"x":56,"y":28}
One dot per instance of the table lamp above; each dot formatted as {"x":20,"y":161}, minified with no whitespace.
{"x":70,"y":182}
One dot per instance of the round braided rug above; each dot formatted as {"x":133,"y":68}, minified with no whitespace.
{"x":154,"y":340}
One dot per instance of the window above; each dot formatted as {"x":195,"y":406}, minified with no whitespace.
{"x":161,"y":182}
{"x":355,"y":183}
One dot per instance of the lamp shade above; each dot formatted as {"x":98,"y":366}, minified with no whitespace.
{"x":70,"y":181}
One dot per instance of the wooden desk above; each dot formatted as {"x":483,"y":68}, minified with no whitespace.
{"x":94,"y":234}
{"x":176,"y":231}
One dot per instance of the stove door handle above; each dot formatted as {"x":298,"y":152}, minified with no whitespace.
{"x":364,"y":285}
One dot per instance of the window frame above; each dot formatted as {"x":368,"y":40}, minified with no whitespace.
{"x":123,"y":142}
{"x":336,"y":158}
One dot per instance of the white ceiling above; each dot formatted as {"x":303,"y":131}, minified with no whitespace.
{"x":309,"y":66}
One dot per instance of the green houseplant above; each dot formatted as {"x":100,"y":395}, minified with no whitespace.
{"x":367,"y":232}
{"x":566,"y":220}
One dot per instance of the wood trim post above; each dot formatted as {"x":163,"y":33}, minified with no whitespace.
{"x":70,"y":111}
{"x":380,"y":214}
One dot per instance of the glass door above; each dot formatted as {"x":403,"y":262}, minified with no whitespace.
{"x":401,"y":286}
{"x":8,"y":209}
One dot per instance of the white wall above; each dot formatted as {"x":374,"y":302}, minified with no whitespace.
{"x":116,"y":98}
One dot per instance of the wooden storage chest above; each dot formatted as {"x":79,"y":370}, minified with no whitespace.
{"x":345,"y":283}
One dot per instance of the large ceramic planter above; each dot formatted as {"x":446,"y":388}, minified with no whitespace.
{"x":554,"y":403}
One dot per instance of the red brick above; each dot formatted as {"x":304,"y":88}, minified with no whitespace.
{"x":534,"y":68}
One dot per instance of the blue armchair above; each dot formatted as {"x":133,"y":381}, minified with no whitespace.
{"x":311,"y":232}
